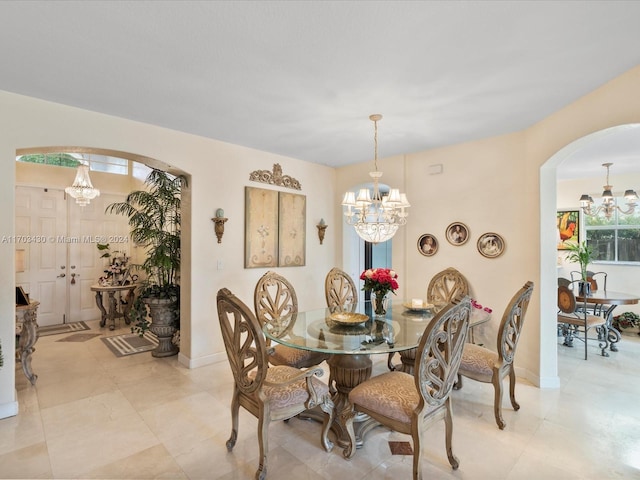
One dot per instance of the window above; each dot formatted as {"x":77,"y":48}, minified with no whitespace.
{"x":97,"y":163}
{"x":616,"y":239}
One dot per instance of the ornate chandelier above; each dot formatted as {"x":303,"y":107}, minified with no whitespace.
{"x":375,"y":217}
{"x":82,"y":189}
{"x":608,"y":206}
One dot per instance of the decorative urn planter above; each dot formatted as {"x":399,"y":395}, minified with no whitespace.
{"x":163,"y":315}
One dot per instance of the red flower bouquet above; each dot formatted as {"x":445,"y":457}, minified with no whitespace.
{"x":380,"y":281}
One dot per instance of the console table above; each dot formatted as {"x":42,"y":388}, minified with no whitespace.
{"x":26,"y":316}
{"x":115,"y":294}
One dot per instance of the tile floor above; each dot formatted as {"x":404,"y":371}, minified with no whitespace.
{"x":92,"y":415}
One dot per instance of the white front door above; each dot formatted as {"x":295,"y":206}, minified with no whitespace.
{"x":41,"y":221}
{"x":62,"y":261}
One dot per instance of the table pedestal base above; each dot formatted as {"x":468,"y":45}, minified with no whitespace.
{"x":346,"y":373}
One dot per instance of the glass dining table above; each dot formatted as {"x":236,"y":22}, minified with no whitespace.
{"x":351,"y":336}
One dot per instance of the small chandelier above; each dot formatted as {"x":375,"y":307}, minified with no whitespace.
{"x":82,"y":189}
{"x":375,"y":217}
{"x":608,"y":203}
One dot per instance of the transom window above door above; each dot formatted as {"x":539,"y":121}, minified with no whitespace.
{"x":98,"y":163}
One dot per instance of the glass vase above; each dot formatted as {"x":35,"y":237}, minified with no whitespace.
{"x":379,"y":303}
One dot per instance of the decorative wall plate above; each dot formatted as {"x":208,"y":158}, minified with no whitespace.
{"x":490,"y":245}
{"x":427,"y":245}
{"x":457,"y":233}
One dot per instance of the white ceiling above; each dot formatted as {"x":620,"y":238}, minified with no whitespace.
{"x":301,"y":78}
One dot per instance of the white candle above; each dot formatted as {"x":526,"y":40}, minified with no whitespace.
{"x":416,"y":303}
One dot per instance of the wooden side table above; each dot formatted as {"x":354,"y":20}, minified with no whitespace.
{"x":27,"y":315}
{"x":116,"y":309}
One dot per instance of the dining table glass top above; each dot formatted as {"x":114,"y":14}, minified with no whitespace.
{"x":355,"y":329}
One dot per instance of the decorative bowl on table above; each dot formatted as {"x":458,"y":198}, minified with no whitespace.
{"x":414,"y":306}
{"x":347,"y":318}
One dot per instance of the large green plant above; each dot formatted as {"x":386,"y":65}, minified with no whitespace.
{"x":582,"y":254}
{"x":154,"y":220}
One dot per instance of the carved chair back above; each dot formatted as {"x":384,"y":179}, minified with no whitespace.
{"x":447,"y":286}
{"x":274,"y":300}
{"x":439,"y":353}
{"x":243,"y":341}
{"x":340,"y":291}
{"x":512,"y":322}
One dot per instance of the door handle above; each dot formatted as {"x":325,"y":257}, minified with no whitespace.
{"x":62,"y":275}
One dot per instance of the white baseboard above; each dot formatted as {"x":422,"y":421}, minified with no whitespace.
{"x":540,"y":382}
{"x":201,"y":361}
{"x":9,"y":409}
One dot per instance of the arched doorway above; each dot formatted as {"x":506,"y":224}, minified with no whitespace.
{"x":548,"y":254}
{"x":70,"y":261}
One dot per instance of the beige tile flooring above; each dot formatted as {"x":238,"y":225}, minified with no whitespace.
{"x":92,"y":415}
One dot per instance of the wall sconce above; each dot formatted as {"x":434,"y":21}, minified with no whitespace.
{"x":321,"y":228}
{"x":219,"y":223}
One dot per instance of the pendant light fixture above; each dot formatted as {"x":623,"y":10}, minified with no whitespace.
{"x":82,"y":189}
{"x":375,"y":217}
{"x":608,"y":206}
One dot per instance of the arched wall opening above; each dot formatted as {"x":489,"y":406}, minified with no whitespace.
{"x":185,"y":270}
{"x":548,"y":253}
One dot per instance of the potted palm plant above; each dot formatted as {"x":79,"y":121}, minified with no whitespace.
{"x":154,"y":220}
{"x":582,"y":254}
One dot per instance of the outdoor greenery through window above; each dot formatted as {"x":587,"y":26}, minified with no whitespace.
{"x":616,"y":239}
{"x":98,"y":163}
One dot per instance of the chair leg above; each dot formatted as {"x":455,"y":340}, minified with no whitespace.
{"x":417,"y":453}
{"x":263,"y":440}
{"x":512,"y":389}
{"x":448,"y":424}
{"x":235,"y":407}
{"x":497,"y":401}
{"x":586,"y":338}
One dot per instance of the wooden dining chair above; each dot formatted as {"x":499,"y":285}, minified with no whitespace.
{"x":575,"y":320}
{"x":408,"y":403}
{"x":275,"y":300}
{"x":445,"y":287}
{"x":484,"y":365}
{"x":340,"y":291}
{"x":268,"y":393}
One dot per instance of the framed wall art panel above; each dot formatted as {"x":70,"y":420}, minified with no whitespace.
{"x":261,"y":228}
{"x":568,"y":228}
{"x":292,"y":229}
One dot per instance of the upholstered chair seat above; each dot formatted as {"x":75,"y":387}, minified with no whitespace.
{"x":399,"y":401}
{"x":480,"y":361}
{"x":281,"y":394}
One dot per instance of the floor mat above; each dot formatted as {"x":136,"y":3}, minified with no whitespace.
{"x":79,"y":337}
{"x":62,"y":328}
{"x":130,"y":343}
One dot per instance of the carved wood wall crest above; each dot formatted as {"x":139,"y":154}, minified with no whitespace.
{"x":275,"y":178}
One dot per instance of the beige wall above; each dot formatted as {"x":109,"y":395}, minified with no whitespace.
{"x":218,"y":171}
